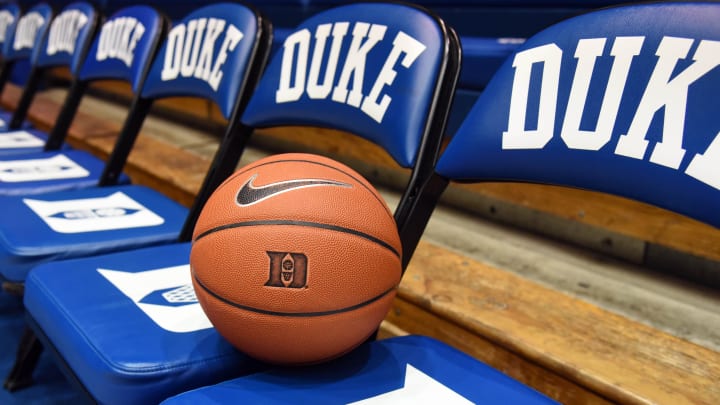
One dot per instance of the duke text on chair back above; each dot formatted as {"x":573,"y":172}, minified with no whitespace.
{"x":21,"y":42}
{"x":65,"y":43}
{"x":123,"y":50}
{"x":620,"y":101}
{"x":23,"y":33}
{"x":195,"y":61}
{"x":384,"y":72}
{"x":9,"y":13}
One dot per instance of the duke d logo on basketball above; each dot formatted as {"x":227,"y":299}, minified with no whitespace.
{"x":287,"y":270}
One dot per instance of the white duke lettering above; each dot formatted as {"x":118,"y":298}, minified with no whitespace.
{"x":190,"y":50}
{"x":663,"y":91}
{"x":364,"y":37}
{"x":6,"y":19}
{"x":64,"y":31}
{"x":26,"y":30}
{"x":118,"y":39}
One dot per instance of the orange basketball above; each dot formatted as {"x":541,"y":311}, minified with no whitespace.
{"x":296,"y":259}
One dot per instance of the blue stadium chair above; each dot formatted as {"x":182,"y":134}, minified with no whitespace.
{"x":65,"y":45}
{"x":128,"y":328}
{"x":217,"y":52}
{"x":23,"y":34}
{"x":618,"y":101}
{"x":123,"y":50}
{"x":61,"y":224}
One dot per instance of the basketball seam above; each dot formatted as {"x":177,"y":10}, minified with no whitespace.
{"x":375,"y":195}
{"x":319,"y":225}
{"x":291,"y":314}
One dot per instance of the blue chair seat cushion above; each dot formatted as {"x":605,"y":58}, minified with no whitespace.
{"x":409,"y":369}
{"x":129,"y":327}
{"x":80,"y":223}
{"x":24,"y":141}
{"x":44,"y":172}
{"x":6,"y":117}
{"x":21,"y":141}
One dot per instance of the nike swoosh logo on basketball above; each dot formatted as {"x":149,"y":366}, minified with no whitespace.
{"x":250,"y":194}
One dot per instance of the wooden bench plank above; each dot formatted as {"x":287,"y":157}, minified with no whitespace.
{"x":191,"y":108}
{"x":44,"y":111}
{"x":637,"y":220}
{"x":169,"y":169}
{"x":626,"y":361}
{"x":410,"y":318}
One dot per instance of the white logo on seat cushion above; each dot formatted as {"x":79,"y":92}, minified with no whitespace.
{"x":56,"y":167}
{"x":116,"y":211}
{"x":19,"y":139}
{"x":165,"y":295}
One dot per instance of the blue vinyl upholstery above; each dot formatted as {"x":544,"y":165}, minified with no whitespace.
{"x":35,"y":23}
{"x":68,"y":37}
{"x":21,"y":142}
{"x":124,"y":339}
{"x":4,"y":120}
{"x":384,"y":101}
{"x":28,"y":34}
{"x":141,"y":336}
{"x":9,"y":13}
{"x":137,"y":28}
{"x":122,"y":50}
{"x":27,"y":234}
{"x":44,"y":172}
{"x":65,"y":44}
{"x":182,"y":73}
{"x":108,"y":363}
{"x":641,"y":127}
{"x":69,"y":224}
{"x":409,"y":369}
{"x":618,"y":101}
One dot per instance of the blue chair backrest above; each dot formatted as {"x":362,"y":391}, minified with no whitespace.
{"x":622,"y":101}
{"x":8,"y":19}
{"x":503,"y":3}
{"x":123,"y":48}
{"x":381,"y":88}
{"x":68,"y":37}
{"x":194,"y":60}
{"x":28,"y":33}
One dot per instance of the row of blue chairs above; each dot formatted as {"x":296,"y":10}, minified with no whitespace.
{"x":489,"y":30}
{"x":611,"y":101}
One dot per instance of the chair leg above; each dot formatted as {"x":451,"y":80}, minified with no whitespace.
{"x":26,"y":360}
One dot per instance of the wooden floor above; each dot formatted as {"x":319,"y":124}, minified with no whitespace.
{"x":577,"y":324}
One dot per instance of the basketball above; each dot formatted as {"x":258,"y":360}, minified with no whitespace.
{"x":296,"y":259}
